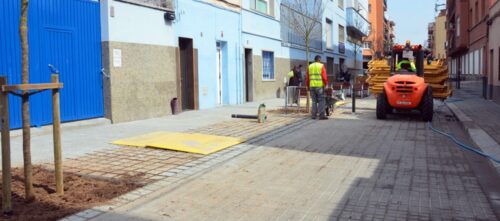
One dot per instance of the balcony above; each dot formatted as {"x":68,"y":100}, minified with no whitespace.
{"x":357,"y":25}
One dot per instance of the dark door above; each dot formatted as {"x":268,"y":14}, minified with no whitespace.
{"x":248,"y":75}
{"x":187,"y":73}
{"x":329,"y":68}
{"x":342,"y":67}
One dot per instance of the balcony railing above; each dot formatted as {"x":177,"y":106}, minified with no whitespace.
{"x":356,"y":24}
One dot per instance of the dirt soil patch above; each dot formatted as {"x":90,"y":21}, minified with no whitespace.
{"x":80,"y":193}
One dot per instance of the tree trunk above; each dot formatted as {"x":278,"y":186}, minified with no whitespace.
{"x":23,"y":31}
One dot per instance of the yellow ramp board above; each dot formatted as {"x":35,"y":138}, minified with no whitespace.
{"x":186,"y":142}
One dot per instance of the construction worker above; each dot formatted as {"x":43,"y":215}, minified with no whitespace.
{"x":406,"y":64}
{"x":316,"y":80}
{"x":290,"y":77}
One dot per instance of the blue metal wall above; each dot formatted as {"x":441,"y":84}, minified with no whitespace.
{"x":66,"y":34}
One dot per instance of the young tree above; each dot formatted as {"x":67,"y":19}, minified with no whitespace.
{"x":23,"y":32}
{"x":304,"y":19}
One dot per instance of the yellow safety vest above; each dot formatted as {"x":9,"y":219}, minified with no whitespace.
{"x":412,"y":65}
{"x":315,"y":78}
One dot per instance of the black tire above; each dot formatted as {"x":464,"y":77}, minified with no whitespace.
{"x":427,"y":105}
{"x":382,"y":106}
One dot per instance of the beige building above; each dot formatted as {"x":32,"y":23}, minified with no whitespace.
{"x":439,"y":47}
{"x":494,"y":51}
{"x":139,"y":61}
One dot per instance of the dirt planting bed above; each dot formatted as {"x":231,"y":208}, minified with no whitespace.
{"x":80,"y":193}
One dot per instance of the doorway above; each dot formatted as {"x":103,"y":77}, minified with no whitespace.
{"x":248,"y":75}
{"x":342,"y":67}
{"x":329,"y":69}
{"x":187,"y":73}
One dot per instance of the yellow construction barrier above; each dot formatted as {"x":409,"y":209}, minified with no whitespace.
{"x":436,"y":74}
{"x":186,"y":142}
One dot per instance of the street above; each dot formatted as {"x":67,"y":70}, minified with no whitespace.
{"x":352,"y":167}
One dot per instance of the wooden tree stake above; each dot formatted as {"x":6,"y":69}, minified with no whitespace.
{"x":6,"y":173}
{"x":56,"y":118}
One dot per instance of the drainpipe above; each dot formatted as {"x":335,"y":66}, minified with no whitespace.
{"x":241,"y":92}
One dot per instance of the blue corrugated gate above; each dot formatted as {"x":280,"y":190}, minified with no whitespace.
{"x":66,"y":34}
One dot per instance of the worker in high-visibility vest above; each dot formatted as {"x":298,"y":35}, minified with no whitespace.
{"x":316,"y":81}
{"x":407,"y":65}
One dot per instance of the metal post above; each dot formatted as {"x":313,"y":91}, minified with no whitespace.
{"x":56,"y":117}
{"x":485,"y":87}
{"x":458,"y":79}
{"x":353,"y":93}
{"x":6,"y":173}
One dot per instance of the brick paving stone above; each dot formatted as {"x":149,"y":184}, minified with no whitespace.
{"x":349,"y":168}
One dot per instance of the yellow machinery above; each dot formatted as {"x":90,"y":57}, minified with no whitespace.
{"x":435,"y":74}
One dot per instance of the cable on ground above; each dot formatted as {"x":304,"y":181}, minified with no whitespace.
{"x":462,"y":145}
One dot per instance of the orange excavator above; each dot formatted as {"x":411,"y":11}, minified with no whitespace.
{"x":405,"y":89}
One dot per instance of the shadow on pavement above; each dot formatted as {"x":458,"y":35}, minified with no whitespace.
{"x":418,"y":175}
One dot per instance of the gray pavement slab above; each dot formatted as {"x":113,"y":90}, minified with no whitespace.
{"x":479,"y":117}
{"x":352,"y":167}
{"x":80,"y":138}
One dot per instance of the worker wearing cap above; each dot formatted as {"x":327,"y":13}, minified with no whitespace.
{"x":405,"y":63}
{"x":316,"y":80}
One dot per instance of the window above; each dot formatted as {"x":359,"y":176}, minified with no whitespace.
{"x":458,"y":27}
{"x":267,"y":65}
{"x":341,"y":34}
{"x":341,"y":4}
{"x":263,"y":6}
{"x":329,"y":27}
{"x":369,"y":8}
{"x":498,"y":71}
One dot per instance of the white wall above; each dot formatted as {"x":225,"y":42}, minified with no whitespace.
{"x":135,"y":24}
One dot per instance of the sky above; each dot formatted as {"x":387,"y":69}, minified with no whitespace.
{"x":411,"y":18}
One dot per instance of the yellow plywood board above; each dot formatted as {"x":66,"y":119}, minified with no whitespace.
{"x":186,"y":142}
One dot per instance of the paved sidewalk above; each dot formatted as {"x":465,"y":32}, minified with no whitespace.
{"x":81,"y":138}
{"x":479,"y":117}
{"x":353,"y":167}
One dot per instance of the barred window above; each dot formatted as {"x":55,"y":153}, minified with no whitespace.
{"x":267,"y":65}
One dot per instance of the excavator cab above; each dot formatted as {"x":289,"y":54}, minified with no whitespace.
{"x":406,"y":89}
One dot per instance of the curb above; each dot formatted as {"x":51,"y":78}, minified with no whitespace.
{"x":482,"y":139}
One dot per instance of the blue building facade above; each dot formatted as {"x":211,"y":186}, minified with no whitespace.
{"x":216,"y":35}
{"x":209,"y":53}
